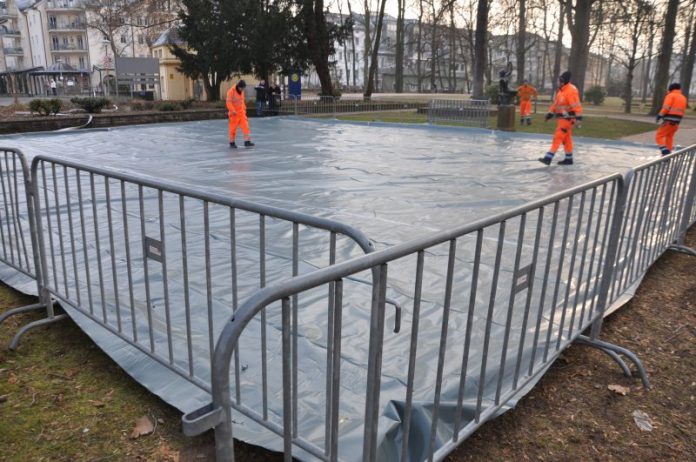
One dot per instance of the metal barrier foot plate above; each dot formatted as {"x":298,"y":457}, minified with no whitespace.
{"x":614,"y":351}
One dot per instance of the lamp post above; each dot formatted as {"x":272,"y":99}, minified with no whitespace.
{"x":105,"y":64}
{"x":60,"y":70}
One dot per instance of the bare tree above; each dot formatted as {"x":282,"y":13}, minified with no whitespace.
{"x":521,"y":40}
{"x":578,"y":15}
{"x":634,"y":18}
{"x":400,"y":38}
{"x":369,"y":89}
{"x":689,"y":52}
{"x":558,"y":53}
{"x":480,"y":46}
{"x":664,"y":56}
{"x":352,"y":46}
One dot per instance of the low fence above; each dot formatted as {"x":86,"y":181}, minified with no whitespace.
{"x":470,"y":113}
{"x":163,"y":267}
{"x":331,"y":106}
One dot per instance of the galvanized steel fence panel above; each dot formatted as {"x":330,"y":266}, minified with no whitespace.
{"x":163,"y":266}
{"x":470,"y":113}
{"x":660,"y":204}
{"x":498,"y":324}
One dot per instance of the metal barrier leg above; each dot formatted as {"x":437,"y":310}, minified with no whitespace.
{"x":683,"y":249}
{"x":31,"y":325}
{"x":615,"y":349}
{"x":21,"y":309}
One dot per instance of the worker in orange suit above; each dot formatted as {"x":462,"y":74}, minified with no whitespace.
{"x":236,"y":111}
{"x":526,"y":92}
{"x":567,"y":110}
{"x":673,"y":109}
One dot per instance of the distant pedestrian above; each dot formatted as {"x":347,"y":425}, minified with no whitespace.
{"x":526,"y":92}
{"x":260,"y":97}
{"x":673,"y":109}
{"x":54,"y":87}
{"x":567,"y":110}
{"x":274,"y":94}
{"x":236,"y":111}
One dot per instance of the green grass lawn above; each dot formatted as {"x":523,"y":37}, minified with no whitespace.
{"x":593,"y":126}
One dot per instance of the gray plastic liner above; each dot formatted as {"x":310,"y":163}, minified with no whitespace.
{"x":392,"y":182}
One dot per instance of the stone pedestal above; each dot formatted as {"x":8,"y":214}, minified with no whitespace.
{"x":506,"y":117}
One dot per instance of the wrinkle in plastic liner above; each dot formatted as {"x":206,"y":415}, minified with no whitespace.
{"x":394,"y":183}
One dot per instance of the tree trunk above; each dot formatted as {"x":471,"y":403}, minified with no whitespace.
{"x":521,"y":41}
{"x":664,"y":57}
{"x":352,"y":41}
{"x":453,"y":51}
{"x":688,"y":68}
{"x":368,"y":42}
{"x":559,"y":49}
{"x":375,"y":51}
{"x":419,"y":68}
{"x":579,"y":25}
{"x":399,"y":58}
{"x":433,"y":47}
{"x":480,"y":47}
{"x":628,"y":87}
{"x":646,"y":76}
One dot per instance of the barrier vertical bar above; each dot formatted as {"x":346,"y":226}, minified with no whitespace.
{"x":622,"y":186}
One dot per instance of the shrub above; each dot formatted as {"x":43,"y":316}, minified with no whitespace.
{"x":187,"y":103}
{"x":91,"y":104}
{"x":45,"y":106}
{"x":596,"y":95}
{"x":491,"y":93}
{"x":220,"y":105}
{"x":168,"y":106}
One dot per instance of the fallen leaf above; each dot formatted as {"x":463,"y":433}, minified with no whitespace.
{"x":143,"y":426}
{"x":3,"y":398}
{"x":619,"y":389}
{"x":643,"y":421}
{"x":96,"y":403}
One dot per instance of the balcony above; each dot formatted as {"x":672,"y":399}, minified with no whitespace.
{"x":9,"y":33}
{"x":68,"y":48}
{"x":68,"y":27}
{"x":64,"y":6}
{"x":6,"y":14}
{"x":15,"y":51}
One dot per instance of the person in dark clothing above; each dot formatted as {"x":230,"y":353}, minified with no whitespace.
{"x":274,"y":98}
{"x":260,"y":97}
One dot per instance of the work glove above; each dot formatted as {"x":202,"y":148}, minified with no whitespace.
{"x":548,"y":116}
{"x":578,"y":122}
{"x":658,"y":118}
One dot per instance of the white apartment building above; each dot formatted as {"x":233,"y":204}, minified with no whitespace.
{"x":73,"y":42}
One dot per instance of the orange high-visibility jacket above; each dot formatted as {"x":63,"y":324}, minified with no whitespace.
{"x":674,"y":106}
{"x":525,"y":92}
{"x":235,"y":103}
{"x":567,"y":102}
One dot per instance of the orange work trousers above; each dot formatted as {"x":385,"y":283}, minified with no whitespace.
{"x":525,"y":108}
{"x":563,"y":134}
{"x":665,"y":134}
{"x":241,"y":122}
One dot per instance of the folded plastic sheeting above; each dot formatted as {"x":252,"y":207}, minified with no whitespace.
{"x":394,"y":183}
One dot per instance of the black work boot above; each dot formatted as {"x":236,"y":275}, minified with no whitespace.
{"x":566,"y":161}
{"x":233,"y":145}
{"x":248,"y":144}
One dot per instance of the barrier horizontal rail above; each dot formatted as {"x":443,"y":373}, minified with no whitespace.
{"x":161,"y":265}
{"x":18,"y":237}
{"x":554,"y":290}
{"x":471,"y":113}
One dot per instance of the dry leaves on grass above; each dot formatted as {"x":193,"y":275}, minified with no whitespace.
{"x":619,"y":389}
{"x":143,"y":426}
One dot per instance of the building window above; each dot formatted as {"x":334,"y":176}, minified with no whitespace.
{"x":80,"y":44}
{"x":52,"y":23}
{"x":123,"y":39}
{"x":141,"y":40}
{"x":82,"y":63}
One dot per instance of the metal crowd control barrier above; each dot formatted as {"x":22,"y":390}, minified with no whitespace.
{"x":470,"y":113}
{"x":660,"y":199}
{"x":161,"y":265}
{"x":564,"y":246}
{"x":18,"y":235}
